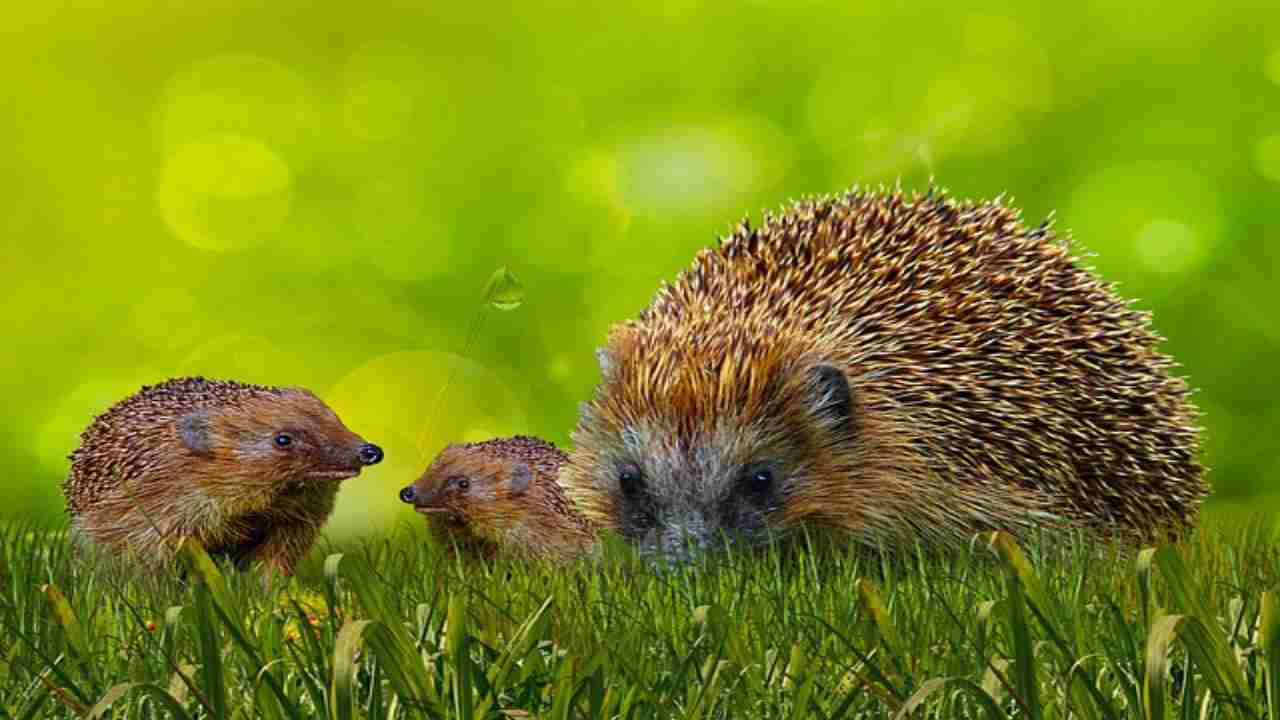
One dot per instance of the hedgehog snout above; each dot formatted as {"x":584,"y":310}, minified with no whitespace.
{"x":370,"y":454}
{"x":422,"y":500}
{"x":680,"y":539}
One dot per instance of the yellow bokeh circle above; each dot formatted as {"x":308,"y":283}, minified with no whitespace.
{"x":225,"y":192}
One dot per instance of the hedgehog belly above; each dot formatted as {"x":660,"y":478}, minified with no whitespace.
{"x":251,"y":531}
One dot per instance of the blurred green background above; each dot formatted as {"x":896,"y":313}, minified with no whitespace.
{"x":296,"y":194}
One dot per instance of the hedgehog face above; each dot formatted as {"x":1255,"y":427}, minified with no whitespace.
{"x":468,"y":489}
{"x":722,"y":486}
{"x":677,"y":482}
{"x":292,"y":439}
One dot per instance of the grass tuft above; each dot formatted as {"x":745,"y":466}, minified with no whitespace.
{"x":1059,"y":626}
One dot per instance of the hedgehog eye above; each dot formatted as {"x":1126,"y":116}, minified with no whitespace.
{"x":461,"y":482}
{"x":630,"y":478}
{"x":283,"y":440}
{"x":758,"y":480}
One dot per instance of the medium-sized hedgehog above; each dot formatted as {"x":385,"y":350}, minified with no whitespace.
{"x":250,"y":471}
{"x":900,"y":368}
{"x":501,"y":496}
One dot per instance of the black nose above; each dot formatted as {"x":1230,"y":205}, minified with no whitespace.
{"x":370,"y":454}
{"x":407,"y":494}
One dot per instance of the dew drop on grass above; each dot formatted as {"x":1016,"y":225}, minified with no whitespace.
{"x":504,"y":291}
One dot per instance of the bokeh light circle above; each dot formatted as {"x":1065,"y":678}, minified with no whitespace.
{"x":1145,"y":221}
{"x":242,"y":95}
{"x":1266,"y":157}
{"x":1273,"y":66}
{"x":383,"y":87}
{"x":396,"y":232}
{"x":699,"y":168}
{"x":1168,"y":246}
{"x":395,"y":401}
{"x":225,"y":192}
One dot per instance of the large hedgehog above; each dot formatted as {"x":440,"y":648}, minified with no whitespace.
{"x":249,"y":470}
{"x":896,"y":367}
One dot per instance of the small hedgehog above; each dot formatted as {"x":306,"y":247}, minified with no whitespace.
{"x":898,"y":367}
{"x":250,"y":471}
{"x":501,"y":496}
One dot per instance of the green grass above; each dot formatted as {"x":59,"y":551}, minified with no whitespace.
{"x":1059,"y":628}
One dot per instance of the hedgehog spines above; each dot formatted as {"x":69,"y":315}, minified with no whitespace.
{"x":978,"y":347}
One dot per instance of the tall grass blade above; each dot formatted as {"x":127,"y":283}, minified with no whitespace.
{"x":157,"y":694}
{"x":1203,"y":651}
{"x":210,"y":590}
{"x":1080,"y":679}
{"x":212,"y":678}
{"x":869,"y":599}
{"x":342,"y":687}
{"x":66,"y":619}
{"x":517,"y":648}
{"x":1178,"y":578}
{"x":34,"y":706}
{"x":265,"y":674}
{"x":205,"y":571}
{"x":984,"y":699}
{"x":401,"y":664}
{"x":800,"y":677}
{"x":458,"y":649}
{"x":1269,"y":639}
{"x":1205,"y":640}
{"x":1143,"y":568}
{"x":1019,"y":577}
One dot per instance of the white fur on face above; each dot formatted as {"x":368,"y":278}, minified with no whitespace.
{"x":691,"y":492}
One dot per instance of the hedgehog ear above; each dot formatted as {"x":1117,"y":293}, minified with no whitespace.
{"x":521,"y":476}
{"x":195,"y":432}
{"x":607,"y":365}
{"x":830,"y":396}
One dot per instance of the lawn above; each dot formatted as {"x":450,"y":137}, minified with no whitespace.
{"x":1053,"y":627}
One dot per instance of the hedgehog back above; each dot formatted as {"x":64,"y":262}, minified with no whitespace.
{"x":1002,"y":358}
{"x":136,"y":435}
